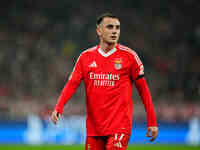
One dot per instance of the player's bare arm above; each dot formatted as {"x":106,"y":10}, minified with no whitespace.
{"x":152,"y":132}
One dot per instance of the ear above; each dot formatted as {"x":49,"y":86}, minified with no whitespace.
{"x":98,"y":31}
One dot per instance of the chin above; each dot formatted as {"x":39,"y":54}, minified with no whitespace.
{"x":111,"y":42}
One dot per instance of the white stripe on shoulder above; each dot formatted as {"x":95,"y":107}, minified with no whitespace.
{"x":74,"y":67}
{"x":124,"y":48}
{"x":90,"y":49}
{"x":127,"y":49}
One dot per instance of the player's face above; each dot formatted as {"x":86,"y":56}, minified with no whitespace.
{"x":109,"y":30}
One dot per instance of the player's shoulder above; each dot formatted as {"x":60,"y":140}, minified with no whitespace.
{"x":127,"y":50}
{"x":131,"y":53}
{"x":89,"y":50}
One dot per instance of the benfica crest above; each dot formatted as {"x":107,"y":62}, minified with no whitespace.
{"x":118,"y":64}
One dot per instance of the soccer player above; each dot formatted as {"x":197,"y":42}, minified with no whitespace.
{"x":108,"y":71}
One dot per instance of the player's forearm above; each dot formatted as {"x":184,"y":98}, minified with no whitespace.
{"x":66,"y":94}
{"x":145,"y":95}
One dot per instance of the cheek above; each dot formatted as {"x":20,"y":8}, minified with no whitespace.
{"x":119,"y":32}
{"x":105,"y":35}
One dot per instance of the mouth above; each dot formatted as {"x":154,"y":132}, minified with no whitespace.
{"x":113,"y":37}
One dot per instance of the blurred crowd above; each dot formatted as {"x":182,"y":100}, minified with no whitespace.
{"x":41,"y":40}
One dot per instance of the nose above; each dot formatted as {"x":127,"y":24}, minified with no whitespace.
{"x":114,"y":32}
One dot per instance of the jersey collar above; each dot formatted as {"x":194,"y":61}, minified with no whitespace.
{"x":108,"y":53}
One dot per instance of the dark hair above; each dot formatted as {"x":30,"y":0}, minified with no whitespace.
{"x":109,"y":15}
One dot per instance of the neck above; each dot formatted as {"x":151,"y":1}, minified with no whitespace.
{"x":106,"y":47}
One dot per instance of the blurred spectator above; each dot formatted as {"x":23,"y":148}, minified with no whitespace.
{"x":40,"y":41}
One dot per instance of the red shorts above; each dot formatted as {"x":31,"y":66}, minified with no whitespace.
{"x":112,"y":142}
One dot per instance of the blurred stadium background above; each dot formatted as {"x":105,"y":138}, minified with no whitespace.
{"x":40,"y":41}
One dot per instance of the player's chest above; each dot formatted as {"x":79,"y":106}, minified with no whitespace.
{"x":119,"y":65}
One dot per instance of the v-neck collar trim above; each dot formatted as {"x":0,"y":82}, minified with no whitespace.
{"x":108,"y":53}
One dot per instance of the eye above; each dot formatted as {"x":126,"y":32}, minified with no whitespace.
{"x":110,"y":26}
{"x":118,"y":27}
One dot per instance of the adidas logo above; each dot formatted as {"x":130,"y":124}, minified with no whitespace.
{"x":93,"y":64}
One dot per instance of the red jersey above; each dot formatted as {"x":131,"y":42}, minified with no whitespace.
{"x":108,"y":79}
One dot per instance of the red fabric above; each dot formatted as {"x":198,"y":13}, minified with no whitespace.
{"x":95,"y":143}
{"x":108,"y":83}
{"x":118,"y":141}
{"x":145,"y":95}
{"x":71,"y":86}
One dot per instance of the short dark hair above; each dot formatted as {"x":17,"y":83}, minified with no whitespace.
{"x":109,"y":15}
